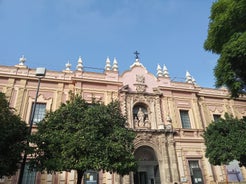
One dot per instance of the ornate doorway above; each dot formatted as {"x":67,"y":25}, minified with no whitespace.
{"x":148,"y":168}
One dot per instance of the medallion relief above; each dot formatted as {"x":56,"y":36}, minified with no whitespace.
{"x":140,"y":84}
{"x":140,"y":79}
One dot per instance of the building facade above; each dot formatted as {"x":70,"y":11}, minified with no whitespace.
{"x":169,"y":118}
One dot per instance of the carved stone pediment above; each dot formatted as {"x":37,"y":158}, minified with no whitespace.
{"x":140,"y":88}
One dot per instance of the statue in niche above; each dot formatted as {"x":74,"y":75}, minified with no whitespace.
{"x":147,"y":123}
{"x":141,"y":119}
{"x":136,"y":121}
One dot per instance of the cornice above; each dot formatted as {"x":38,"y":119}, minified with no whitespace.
{"x":179,"y":89}
{"x":35,"y":78}
{"x":100,"y":81}
{"x":188,"y":140}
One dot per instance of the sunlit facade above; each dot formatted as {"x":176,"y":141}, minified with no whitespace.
{"x":168,"y":116}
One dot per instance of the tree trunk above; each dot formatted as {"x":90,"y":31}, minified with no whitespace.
{"x":80,"y":174}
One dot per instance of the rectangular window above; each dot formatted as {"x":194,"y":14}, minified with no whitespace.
{"x":195,"y":172}
{"x":185,"y":120}
{"x":216,"y":117}
{"x":29,"y":176}
{"x":193,"y":164}
{"x":39,"y":113}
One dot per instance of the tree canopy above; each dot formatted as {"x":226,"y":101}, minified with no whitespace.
{"x":82,"y":136}
{"x":225,"y":140}
{"x":227,"y":37}
{"x":13,"y":133}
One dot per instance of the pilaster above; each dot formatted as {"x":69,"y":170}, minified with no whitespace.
{"x":20,"y":95}
{"x":197,"y":115}
{"x":58,"y":96}
{"x":165,"y":172}
{"x":173,"y":158}
{"x":126,"y":179}
{"x":8,"y":89}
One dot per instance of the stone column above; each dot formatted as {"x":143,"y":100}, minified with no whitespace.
{"x":117,"y":178}
{"x":164,"y":166}
{"x":180,"y":163}
{"x":173,"y":158}
{"x":126,"y":179}
{"x":207,"y":172}
{"x":243,"y":170}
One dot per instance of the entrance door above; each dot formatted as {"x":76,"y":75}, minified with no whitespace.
{"x":140,"y":178}
{"x":148,"y":170}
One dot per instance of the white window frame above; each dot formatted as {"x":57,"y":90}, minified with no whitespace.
{"x":40,"y":99}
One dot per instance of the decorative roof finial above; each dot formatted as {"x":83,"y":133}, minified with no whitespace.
{"x":68,"y":66}
{"x":107,"y":66}
{"x":159,"y":72}
{"x":115,"y":65}
{"x":165,"y":71}
{"x":22,"y":60}
{"x":193,"y":80}
{"x":188,"y":77}
{"x":80,"y":64}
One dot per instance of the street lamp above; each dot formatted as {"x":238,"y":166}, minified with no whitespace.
{"x":40,"y":73}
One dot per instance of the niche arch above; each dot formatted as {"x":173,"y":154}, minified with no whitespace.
{"x":140,"y":117}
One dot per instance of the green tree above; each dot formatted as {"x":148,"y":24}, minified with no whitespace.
{"x":227,"y":37}
{"x":13,"y":135}
{"x":225,"y":140}
{"x":81,"y":136}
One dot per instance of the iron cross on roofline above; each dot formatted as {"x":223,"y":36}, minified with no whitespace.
{"x":136,"y":53}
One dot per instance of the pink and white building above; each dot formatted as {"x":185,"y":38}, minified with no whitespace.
{"x":169,"y":118}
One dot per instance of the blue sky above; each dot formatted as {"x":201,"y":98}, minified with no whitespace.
{"x":51,"y":32}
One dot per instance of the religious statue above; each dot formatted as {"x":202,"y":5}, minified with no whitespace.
{"x":146,"y":122}
{"x":141,"y":119}
{"x":136,"y":121}
{"x":140,"y":115}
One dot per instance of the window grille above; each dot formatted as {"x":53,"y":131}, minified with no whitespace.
{"x":185,"y":120}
